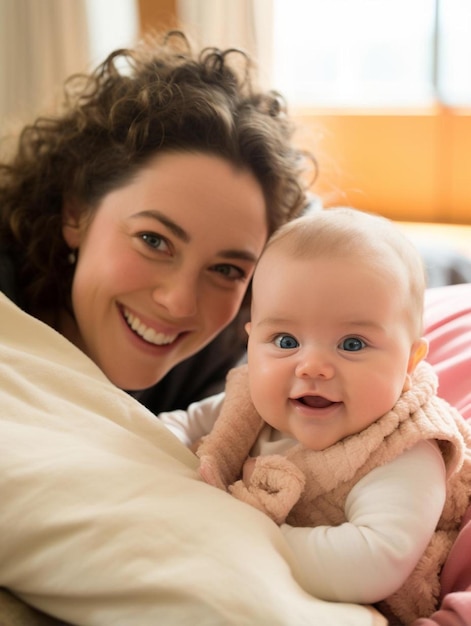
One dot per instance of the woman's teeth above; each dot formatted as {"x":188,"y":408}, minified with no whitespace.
{"x":148,"y":334}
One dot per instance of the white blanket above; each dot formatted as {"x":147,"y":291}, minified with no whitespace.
{"x":103,"y":520}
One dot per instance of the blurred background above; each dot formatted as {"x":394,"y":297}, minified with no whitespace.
{"x":380,"y":89}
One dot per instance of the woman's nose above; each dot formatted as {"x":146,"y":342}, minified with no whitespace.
{"x":179,"y":296}
{"x":315,"y":364}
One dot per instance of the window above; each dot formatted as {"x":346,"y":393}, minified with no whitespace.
{"x":454,"y":52}
{"x":111,"y":25}
{"x":373,"y":53}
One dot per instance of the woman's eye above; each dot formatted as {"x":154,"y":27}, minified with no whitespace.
{"x":231,"y":272}
{"x":352,"y":344}
{"x":154,"y":241}
{"x":286,"y":342}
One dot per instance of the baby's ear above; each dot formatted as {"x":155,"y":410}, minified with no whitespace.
{"x":418,"y":352}
{"x":248,"y":328}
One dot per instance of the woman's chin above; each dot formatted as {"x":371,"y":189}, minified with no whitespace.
{"x":134,"y":381}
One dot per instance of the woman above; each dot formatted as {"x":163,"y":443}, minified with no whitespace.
{"x":131,"y":223}
{"x":130,"y":226}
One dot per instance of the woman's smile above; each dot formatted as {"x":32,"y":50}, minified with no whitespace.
{"x":147,"y":333}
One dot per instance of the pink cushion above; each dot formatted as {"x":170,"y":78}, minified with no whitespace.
{"x":448,"y":330}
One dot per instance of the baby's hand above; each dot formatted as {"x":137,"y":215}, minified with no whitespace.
{"x":271,"y":484}
{"x":209,"y":471}
{"x":248,"y":470}
{"x":195,"y":445}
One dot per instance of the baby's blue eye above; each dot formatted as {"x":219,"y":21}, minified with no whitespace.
{"x":286,"y":342}
{"x":352,"y":344}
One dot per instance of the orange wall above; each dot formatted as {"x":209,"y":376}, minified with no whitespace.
{"x":460,"y":167}
{"x":157,"y":14}
{"x":406,"y":165}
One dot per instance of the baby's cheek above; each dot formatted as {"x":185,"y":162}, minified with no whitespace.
{"x":388,"y":390}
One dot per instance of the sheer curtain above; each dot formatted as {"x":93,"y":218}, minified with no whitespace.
{"x":40,"y":44}
{"x":246,"y":24}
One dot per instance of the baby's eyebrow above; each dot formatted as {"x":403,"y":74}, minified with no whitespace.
{"x":274,"y":321}
{"x":177,"y":230}
{"x":363,"y":324}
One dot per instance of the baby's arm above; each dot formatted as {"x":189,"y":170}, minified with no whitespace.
{"x":198,"y":420}
{"x":392,"y":514}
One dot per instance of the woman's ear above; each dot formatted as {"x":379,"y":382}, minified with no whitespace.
{"x":247,"y":327}
{"x":418,"y":353}
{"x":71,"y":225}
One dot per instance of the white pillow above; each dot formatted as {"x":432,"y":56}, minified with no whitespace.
{"x":103,"y":519}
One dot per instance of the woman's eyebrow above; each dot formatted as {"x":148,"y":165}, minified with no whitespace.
{"x":243,"y":255}
{"x":177,"y":230}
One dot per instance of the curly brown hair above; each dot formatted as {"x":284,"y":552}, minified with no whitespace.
{"x":160,"y":96}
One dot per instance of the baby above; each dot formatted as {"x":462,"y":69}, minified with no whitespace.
{"x":333,"y":428}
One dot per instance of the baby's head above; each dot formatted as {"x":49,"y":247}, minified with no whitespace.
{"x":356,"y":237}
{"x":336,"y":324}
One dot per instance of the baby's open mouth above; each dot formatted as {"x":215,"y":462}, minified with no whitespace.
{"x":315,"y":402}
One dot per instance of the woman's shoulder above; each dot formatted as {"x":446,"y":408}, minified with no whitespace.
{"x":8,"y":279}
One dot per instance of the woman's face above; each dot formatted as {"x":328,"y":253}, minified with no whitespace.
{"x":163,"y":264}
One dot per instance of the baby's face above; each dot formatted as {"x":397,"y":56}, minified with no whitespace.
{"x":329,"y":346}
